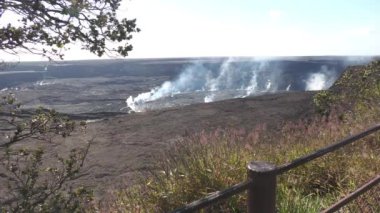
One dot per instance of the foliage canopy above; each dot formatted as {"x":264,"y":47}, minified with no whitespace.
{"x":45,"y":27}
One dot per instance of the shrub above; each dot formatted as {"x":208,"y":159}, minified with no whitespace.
{"x":32,"y":184}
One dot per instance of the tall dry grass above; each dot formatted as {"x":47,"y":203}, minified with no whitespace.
{"x":211,"y":161}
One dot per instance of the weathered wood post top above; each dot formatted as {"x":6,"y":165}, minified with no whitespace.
{"x":262,"y":192}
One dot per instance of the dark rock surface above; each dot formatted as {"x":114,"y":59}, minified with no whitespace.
{"x":126,"y":144}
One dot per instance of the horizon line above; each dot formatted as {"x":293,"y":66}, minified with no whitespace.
{"x":194,"y":57}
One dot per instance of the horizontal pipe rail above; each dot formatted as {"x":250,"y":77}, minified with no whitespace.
{"x":307,"y":158}
{"x":238,"y":188}
{"x":214,"y":197}
{"x":353,"y":195}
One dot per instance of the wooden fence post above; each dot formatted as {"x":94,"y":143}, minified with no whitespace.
{"x":262,"y":192}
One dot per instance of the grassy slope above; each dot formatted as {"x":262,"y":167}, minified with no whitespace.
{"x":211,"y":161}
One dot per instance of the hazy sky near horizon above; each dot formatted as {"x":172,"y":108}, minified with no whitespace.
{"x":183,"y":28}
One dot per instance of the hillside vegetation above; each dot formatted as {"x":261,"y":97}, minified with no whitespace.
{"x":211,"y":161}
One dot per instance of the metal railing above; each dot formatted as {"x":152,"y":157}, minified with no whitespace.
{"x":262,"y":181}
{"x":352,"y":196}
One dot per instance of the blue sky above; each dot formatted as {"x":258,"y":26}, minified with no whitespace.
{"x":183,"y":28}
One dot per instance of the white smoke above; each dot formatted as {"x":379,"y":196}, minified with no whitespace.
{"x":4,"y":89}
{"x":325,"y":77}
{"x":237,"y":79}
{"x":202,"y":82}
{"x":357,"y":60}
{"x":321,"y":80}
{"x":316,"y":81}
{"x":209,"y":98}
{"x":43,"y":83}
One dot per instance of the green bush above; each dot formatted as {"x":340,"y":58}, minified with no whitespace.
{"x":323,"y":101}
{"x":33,"y":184}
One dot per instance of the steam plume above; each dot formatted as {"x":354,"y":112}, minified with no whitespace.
{"x":234,"y":77}
{"x":201,"y":82}
{"x":323,"y":79}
